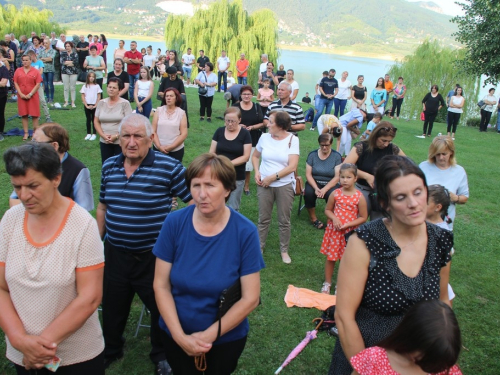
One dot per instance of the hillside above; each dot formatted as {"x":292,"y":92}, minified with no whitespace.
{"x":371,"y":26}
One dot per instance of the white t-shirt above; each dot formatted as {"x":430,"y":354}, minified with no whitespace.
{"x":263,"y":67}
{"x":295,"y":86}
{"x":59,"y":44}
{"x":188,"y":60}
{"x":454,"y":179}
{"x":317,"y":91}
{"x":456,"y":100}
{"x":223,"y":63}
{"x":490,"y":107}
{"x":90,"y":92}
{"x":148,"y":60}
{"x":275,"y":157}
{"x":143,"y":88}
{"x":230,"y":81}
{"x":344,"y":89}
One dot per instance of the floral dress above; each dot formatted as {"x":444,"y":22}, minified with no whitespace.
{"x":346,"y":210}
{"x":374,"y":361}
{"x":389,"y":293}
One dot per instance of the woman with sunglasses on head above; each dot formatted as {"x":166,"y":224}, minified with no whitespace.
{"x":366,"y":155}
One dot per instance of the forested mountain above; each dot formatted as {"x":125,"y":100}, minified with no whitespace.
{"x":375,"y":26}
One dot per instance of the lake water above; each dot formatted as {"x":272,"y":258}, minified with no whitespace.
{"x":308,"y":66}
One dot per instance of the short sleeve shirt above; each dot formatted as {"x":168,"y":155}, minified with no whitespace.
{"x":232,"y":149}
{"x":133,"y":69}
{"x":43,"y":275}
{"x":242,"y":65}
{"x":323,"y":170}
{"x":329,"y":85}
{"x":223,"y":62}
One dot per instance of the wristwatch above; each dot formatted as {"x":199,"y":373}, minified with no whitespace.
{"x":277,"y":176}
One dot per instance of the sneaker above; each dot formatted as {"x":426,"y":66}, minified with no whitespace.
{"x":73,"y":106}
{"x":48,"y":119}
{"x":325,"y":288}
{"x":453,"y":139}
{"x":209,"y":119}
{"x":14,"y":97}
{"x":312,"y":129}
{"x":163,"y":368}
{"x":202,"y":118}
{"x":286,"y":258}
{"x":88,"y":137}
{"x":93,"y":137}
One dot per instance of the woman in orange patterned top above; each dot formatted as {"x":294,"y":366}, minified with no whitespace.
{"x":51,"y":271}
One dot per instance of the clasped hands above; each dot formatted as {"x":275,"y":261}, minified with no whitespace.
{"x":37,"y":351}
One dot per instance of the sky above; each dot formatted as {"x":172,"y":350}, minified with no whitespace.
{"x":449,"y":7}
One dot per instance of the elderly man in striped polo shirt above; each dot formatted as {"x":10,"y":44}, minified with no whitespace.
{"x":285,"y":104}
{"x":135,"y":198}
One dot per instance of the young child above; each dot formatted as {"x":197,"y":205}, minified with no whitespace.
{"x":427,"y":341}
{"x":143,"y":92}
{"x":346,"y":209}
{"x":230,"y":79}
{"x":265,"y":95}
{"x":91,"y":94}
{"x":437,"y":213}
{"x":377,"y":117}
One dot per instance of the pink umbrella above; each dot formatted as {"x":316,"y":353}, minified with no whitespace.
{"x":311,"y":335}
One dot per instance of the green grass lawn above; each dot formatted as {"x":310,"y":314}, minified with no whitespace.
{"x":276,"y":329}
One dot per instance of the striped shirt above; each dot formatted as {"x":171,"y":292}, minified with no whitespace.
{"x":293,"y":109}
{"x":137,"y":207}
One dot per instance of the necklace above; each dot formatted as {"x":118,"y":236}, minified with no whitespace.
{"x":170,"y":114}
{"x":391,"y":231}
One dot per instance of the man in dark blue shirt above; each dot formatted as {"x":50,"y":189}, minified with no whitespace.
{"x":328,"y":87}
{"x":135,"y":197}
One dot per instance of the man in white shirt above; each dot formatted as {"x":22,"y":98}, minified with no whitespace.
{"x":223,"y":64}
{"x":263,"y":67}
{"x":188,"y":60}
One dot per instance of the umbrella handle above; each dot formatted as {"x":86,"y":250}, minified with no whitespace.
{"x":319,"y":324}
{"x":278,"y":370}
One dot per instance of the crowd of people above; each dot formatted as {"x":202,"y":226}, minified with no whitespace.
{"x":197,"y":269}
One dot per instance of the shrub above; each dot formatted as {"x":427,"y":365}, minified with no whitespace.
{"x":473,"y":121}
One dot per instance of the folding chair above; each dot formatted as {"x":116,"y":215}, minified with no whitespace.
{"x":139,"y":323}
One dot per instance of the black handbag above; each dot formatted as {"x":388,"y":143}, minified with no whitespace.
{"x":203,"y":90}
{"x":82,"y":76}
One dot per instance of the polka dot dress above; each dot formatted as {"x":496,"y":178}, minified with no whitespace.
{"x":346,"y":210}
{"x":388,"y":291}
{"x":374,"y":361}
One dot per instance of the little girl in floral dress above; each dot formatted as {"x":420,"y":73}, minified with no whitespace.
{"x":346,"y":209}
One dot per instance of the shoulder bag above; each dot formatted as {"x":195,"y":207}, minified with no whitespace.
{"x":203,"y":90}
{"x":299,"y":182}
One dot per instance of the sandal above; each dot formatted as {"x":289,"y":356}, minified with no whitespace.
{"x":325,"y":288}
{"x":318,"y":224}
{"x":26,"y":136}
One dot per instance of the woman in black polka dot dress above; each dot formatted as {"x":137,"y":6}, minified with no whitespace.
{"x":389,"y":264}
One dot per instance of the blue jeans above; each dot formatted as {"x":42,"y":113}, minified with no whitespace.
{"x":498,"y":122}
{"x":242,"y":80}
{"x":339,"y":106}
{"x":323,"y":102}
{"x":131,"y":80}
{"x":317,"y":98}
{"x":48,"y":85}
{"x":222,"y":75}
{"x":146,"y":107}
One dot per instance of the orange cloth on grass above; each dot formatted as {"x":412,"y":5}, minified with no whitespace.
{"x":302,"y":297}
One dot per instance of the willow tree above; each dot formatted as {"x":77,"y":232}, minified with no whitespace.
{"x":25,"y":20}
{"x":226,"y":26}
{"x":433,"y":64}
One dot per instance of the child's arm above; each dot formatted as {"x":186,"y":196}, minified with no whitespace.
{"x":362,"y":215}
{"x":330,"y":205}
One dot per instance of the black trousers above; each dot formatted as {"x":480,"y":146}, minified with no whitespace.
{"x":127,"y":273}
{"x":90,"y":114}
{"x":3,"y":102}
{"x":485,"y":120}
{"x":429,"y":121}
{"x":206,"y":104}
{"x":396,"y":106}
{"x":453,"y":119}
{"x":221,"y":359}
{"x":94,"y":366}
{"x":108,"y":150}
{"x":177,"y":155}
{"x":310,"y":196}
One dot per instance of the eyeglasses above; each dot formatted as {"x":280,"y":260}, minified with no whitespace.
{"x":246,"y":93}
{"x":325,"y":145}
{"x":231,"y":122}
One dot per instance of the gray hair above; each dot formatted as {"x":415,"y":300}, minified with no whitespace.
{"x":264,"y":55}
{"x":286,"y":84}
{"x":136,"y":120}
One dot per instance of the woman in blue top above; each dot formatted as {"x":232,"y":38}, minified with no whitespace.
{"x":378,"y":97}
{"x":201,"y":251}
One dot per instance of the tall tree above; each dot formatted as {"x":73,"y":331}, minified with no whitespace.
{"x":25,"y":20}
{"x":226,"y":26}
{"x":432,"y":64}
{"x":479,"y":31}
